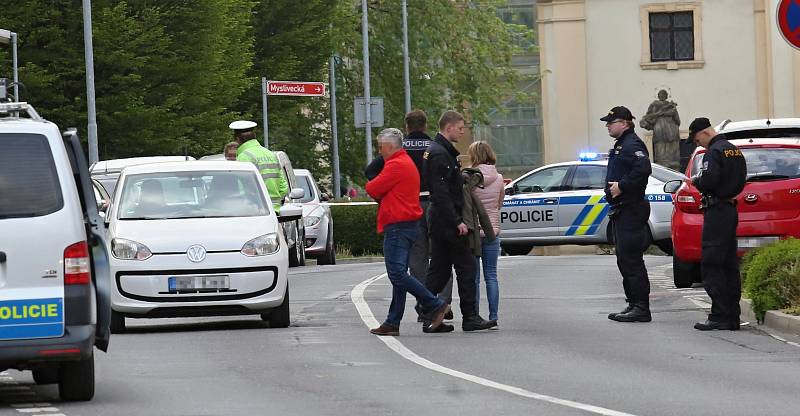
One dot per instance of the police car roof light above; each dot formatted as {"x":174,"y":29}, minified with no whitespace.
{"x":591,"y":156}
{"x":17,"y":107}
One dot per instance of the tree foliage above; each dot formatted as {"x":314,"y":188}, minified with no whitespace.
{"x":171,"y":74}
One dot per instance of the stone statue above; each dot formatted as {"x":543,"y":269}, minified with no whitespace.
{"x":662,"y":118}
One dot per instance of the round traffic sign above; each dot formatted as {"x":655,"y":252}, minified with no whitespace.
{"x":789,"y":21}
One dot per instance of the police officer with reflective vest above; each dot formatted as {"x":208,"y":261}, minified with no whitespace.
{"x":720,"y":180}
{"x":626,"y":179}
{"x":250,"y":150}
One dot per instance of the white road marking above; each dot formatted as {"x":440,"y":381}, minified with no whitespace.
{"x":357,"y":295}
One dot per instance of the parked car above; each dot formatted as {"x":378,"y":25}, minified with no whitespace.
{"x":317,"y":219}
{"x":197,"y":238}
{"x":54,"y":302}
{"x":564,"y":203}
{"x":769,"y":205}
{"x":107,"y":171}
{"x":294,"y":231}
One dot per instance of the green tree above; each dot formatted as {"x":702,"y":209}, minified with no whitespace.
{"x":460,"y":58}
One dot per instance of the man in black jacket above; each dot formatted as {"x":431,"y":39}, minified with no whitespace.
{"x":448,"y":233}
{"x":720,"y":180}
{"x":626,"y":180}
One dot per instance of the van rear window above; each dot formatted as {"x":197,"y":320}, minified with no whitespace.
{"x":29,"y":185}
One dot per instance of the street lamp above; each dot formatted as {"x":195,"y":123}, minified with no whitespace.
{"x":7,"y":36}
{"x":90,"y":103}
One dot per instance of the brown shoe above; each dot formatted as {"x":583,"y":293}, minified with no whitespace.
{"x":438,"y":316}
{"x":385,"y":330}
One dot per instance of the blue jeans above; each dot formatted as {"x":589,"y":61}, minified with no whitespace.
{"x":490,"y":252}
{"x":397,"y":241}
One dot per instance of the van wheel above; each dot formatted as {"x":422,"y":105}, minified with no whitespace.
{"x":46,"y":375}
{"x":76,"y":380}
{"x":117,"y":323}
{"x":279,"y":317}
{"x":329,"y":256}
{"x":518,"y":249}
{"x":685,"y":274}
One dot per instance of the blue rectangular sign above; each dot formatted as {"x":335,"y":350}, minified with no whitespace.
{"x":31,"y":318}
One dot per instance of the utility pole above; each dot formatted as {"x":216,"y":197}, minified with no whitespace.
{"x":90,"y":102}
{"x":334,"y":130}
{"x":264,"y":105}
{"x":406,"y":76}
{"x":367,"y":104}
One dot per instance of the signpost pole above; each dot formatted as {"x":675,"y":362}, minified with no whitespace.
{"x":90,"y":93}
{"x":264,"y":105}
{"x":367,"y":108}
{"x":334,"y":131}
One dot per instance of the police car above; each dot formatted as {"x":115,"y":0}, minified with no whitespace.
{"x":768,"y":206}
{"x":54,"y":276}
{"x":564,"y":203}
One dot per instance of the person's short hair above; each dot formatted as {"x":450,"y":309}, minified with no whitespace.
{"x":246,"y":135}
{"x":393,"y":136}
{"x":481,"y":153}
{"x":416,"y":120}
{"x":449,"y":117}
{"x":230,"y":146}
{"x":629,"y":123}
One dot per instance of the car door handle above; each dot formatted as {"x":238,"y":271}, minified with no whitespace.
{"x":2,"y":257}
{"x":550,"y":200}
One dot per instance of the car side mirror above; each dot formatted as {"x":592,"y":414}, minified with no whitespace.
{"x":297,"y":193}
{"x":672,"y":186}
{"x":324,"y":197}
{"x":290,"y":212}
{"x":510,"y":190}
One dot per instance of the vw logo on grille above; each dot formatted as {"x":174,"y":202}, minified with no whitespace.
{"x":751,"y":198}
{"x":196,"y":253}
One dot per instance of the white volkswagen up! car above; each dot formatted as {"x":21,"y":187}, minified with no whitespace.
{"x":54,"y":277}
{"x":197,"y":238}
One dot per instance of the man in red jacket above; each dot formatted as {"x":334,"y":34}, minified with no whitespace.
{"x":397,"y":190}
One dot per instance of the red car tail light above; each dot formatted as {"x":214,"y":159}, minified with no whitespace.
{"x":688,"y":202}
{"x":76,"y":264}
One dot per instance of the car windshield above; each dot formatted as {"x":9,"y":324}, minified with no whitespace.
{"x":174,"y":195}
{"x":773,"y":163}
{"x":305,"y":183}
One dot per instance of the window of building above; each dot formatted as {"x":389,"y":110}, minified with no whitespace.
{"x":671,"y":36}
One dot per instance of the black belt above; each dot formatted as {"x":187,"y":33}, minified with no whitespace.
{"x":710,"y":200}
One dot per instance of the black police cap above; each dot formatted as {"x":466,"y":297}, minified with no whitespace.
{"x":618,"y":113}
{"x":698,"y":124}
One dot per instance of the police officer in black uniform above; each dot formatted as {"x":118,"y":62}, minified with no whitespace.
{"x":626,"y":179}
{"x":720,"y":180}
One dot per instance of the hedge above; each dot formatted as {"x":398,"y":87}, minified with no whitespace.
{"x":771,"y":277}
{"x":355,"y":228}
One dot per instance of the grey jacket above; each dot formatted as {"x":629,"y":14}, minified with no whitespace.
{"x":473,"y":213}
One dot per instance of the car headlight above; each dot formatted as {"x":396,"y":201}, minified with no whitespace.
{"x":311,"y":221}
{"x":129,"y":250}
{"x":261,"y":246}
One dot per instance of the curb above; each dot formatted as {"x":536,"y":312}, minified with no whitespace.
{"x":776,"y":320}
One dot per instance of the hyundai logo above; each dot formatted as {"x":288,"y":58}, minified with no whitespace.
{"x":196,"y":253}
{"x":751,"y":198}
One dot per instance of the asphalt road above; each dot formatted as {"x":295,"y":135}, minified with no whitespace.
{"x":555,"y":354}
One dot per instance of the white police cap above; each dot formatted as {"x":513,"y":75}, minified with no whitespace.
{"x":242,"y":125}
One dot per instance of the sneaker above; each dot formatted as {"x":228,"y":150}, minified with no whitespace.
{"x":476,"y":323}
{"x":441,"y":328}
{"x":385,"y":330}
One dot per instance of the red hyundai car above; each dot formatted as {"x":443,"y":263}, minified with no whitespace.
{"x":769,"y":205}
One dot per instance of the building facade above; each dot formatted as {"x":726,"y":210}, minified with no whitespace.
{"x":723,"y":59}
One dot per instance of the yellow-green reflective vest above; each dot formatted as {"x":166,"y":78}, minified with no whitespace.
{"x":267,"y":164}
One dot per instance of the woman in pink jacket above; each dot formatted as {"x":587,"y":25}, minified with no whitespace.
{"x":491,"y":196}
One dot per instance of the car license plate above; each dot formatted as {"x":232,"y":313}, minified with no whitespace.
{"x":753,"y":242}
{"x":198,"y":283}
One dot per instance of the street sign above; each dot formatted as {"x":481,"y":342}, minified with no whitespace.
{"x":375,"y":115}
{"x":789,"y":21}
{"x":296,"y":88}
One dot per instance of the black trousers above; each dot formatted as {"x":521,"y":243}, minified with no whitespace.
{"x":631,"y":239}
{"x":719,"y":264}
{"x":447,"y":254}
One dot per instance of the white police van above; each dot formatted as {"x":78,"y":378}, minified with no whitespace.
{"x":564,"y":203}
{"x":54,"y":276}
